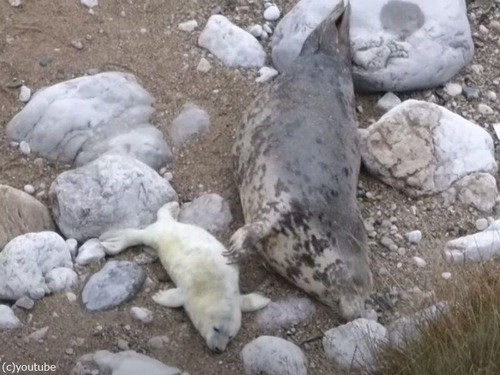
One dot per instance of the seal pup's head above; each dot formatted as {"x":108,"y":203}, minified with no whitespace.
{"x":220,"y":325}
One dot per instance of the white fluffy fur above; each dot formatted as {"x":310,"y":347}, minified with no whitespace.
{"x":206,"y":286}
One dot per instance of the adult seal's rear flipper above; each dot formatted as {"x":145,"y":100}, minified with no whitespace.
{"x":332,"y":35}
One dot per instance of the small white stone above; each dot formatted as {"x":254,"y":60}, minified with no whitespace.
{"x":90,"y":252}
{"x":142,"y":314}
{"x":188,"y":26}
{"x":25,"y":147}
{"x":419,"y":262}
{"x":414,"y":236}
{"x":15,"y":3}
{"x":453,"y":89}
{"x":272,"y":13}
{"x":8,"y":320}
{"x":477,"y":69}
{"x":491,"y":95}
{"x":77,"y":44}
{"x":483,"y":29}
{"x":89,"y":3}
{"x":122,"y":344}
{"x":388,"y":101}
{"x":143,"y":30}
{"x":267,"y":29}
{"x":24,"y":94}
{"x":482,"y":224}
{"x":204,"y":65}
{"x":255,"y":30}
{"x":71,"y":297}
{"x":73,"y":246}
{"x":485,"y":109}
{"x":266,"y":74}
{"x":30,"y":189}
{"x":446,"y":275}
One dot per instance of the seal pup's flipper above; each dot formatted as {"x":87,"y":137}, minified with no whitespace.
{"x":245,"y":239}
{"x":253,"y":302}
{"x":173,"y":298}
{"x":115,"y":241}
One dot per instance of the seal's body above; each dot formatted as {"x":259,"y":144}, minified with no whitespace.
{"x":297,"y":166}
{"x":206,"y":286}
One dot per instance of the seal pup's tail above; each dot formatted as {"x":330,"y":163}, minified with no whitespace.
{"x":332,"y":35}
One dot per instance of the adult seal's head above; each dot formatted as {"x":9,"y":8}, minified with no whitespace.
{"x":297,"y":164}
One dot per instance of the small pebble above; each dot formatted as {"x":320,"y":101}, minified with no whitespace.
{"x":266,"y":74}
{"x":389,"y":243}
{"x":142,"y":314}
{"x":30,"y":189}
{"x":25,"y":303}
{"x":485,"y":109}
{"x":204,"y":66}
{"x":481,"y":224}
{"x":453,"y":89}
{"x":122,"y":344}
{"x":414,"y":236}
{"x":69,"y":351}
{"x":15,"y":3}
{"x":255,"y":30}
{"x":188,"y":26}
{"x":419,"y":262}
{"x":470,"y":92}
{"x":446,"y":275}
{"x":491,"y":95}
{"x":77,"y":44}
{"x":24,"y":94}
{"x":71,"y":297}
{"x":272,"y":13}
{"x":25,"y":147}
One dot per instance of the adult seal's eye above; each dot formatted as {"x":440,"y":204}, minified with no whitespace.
{"x":216,"y":329}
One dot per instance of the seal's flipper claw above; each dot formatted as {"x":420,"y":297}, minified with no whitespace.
{"x":115,"y":241}
{"x":172,"y":298}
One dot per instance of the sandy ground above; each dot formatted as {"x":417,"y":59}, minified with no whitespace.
{"x":164,"y":60}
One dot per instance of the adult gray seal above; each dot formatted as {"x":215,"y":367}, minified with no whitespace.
{"x":297,"y":164}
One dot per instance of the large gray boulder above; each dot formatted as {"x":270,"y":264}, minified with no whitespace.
{"x":112,"y":192}
{"x":20,"y":213}
{"x":77,"y":121}
{"x":401,"y":45}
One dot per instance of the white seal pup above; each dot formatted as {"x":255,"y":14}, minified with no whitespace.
{"x":206,"y":286}
{"x":297,"y":163}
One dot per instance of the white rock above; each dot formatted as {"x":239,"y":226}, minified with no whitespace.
{"x":39,"y":334}
{"x":234,"y":46}
{"x":73,"y":246}
{"x":350,"y":345}
{"x":296,"y":26}
{"x":485,"y":109}
{"x":419,"y":262}
{"x":90,"y":252}
{"x":112,"y":192}
{"x":30,"y":189}
{"x":26,"y":260}
{"x":414,"y":236}
{"x":188,"y":26}
{"x":204,"y":65}
{"x":61,"y":280}
{"x":15,"y":3}
{"x":453,"y":89}
{"x":255,"y":30}
{"x":423,"y":149}
{"x":142,"y":314}
{"x":285,"y":312}
{"x":406,"y":329}
{"x":113,"y":117}
{"x":8,"y":320}
{"x":192,"y":121}
{"x":209,"y":211}
{"x":272,"y":13}
{"x":479,"y":247}
{"x":90,"y":3}
{"x":24,"y":94}
{"x":25,"y":303}
{"x":267,"y":28}
{"x":25,"y":147}
{"x":71,"y":297}
{"x":491,"y":95}
{"x":478,"y":190}
{"x":392,"y":40}
{"x":388,"y":102}
{"x":273,"y":355}
{"x":446,"y":275}
{"x":266,"y":74}
{"x":482,"y":224}
{"x":122,"y":363}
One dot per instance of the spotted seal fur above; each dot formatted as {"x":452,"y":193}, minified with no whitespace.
{"x":297,"y":164}
{"x":205,"y":285}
